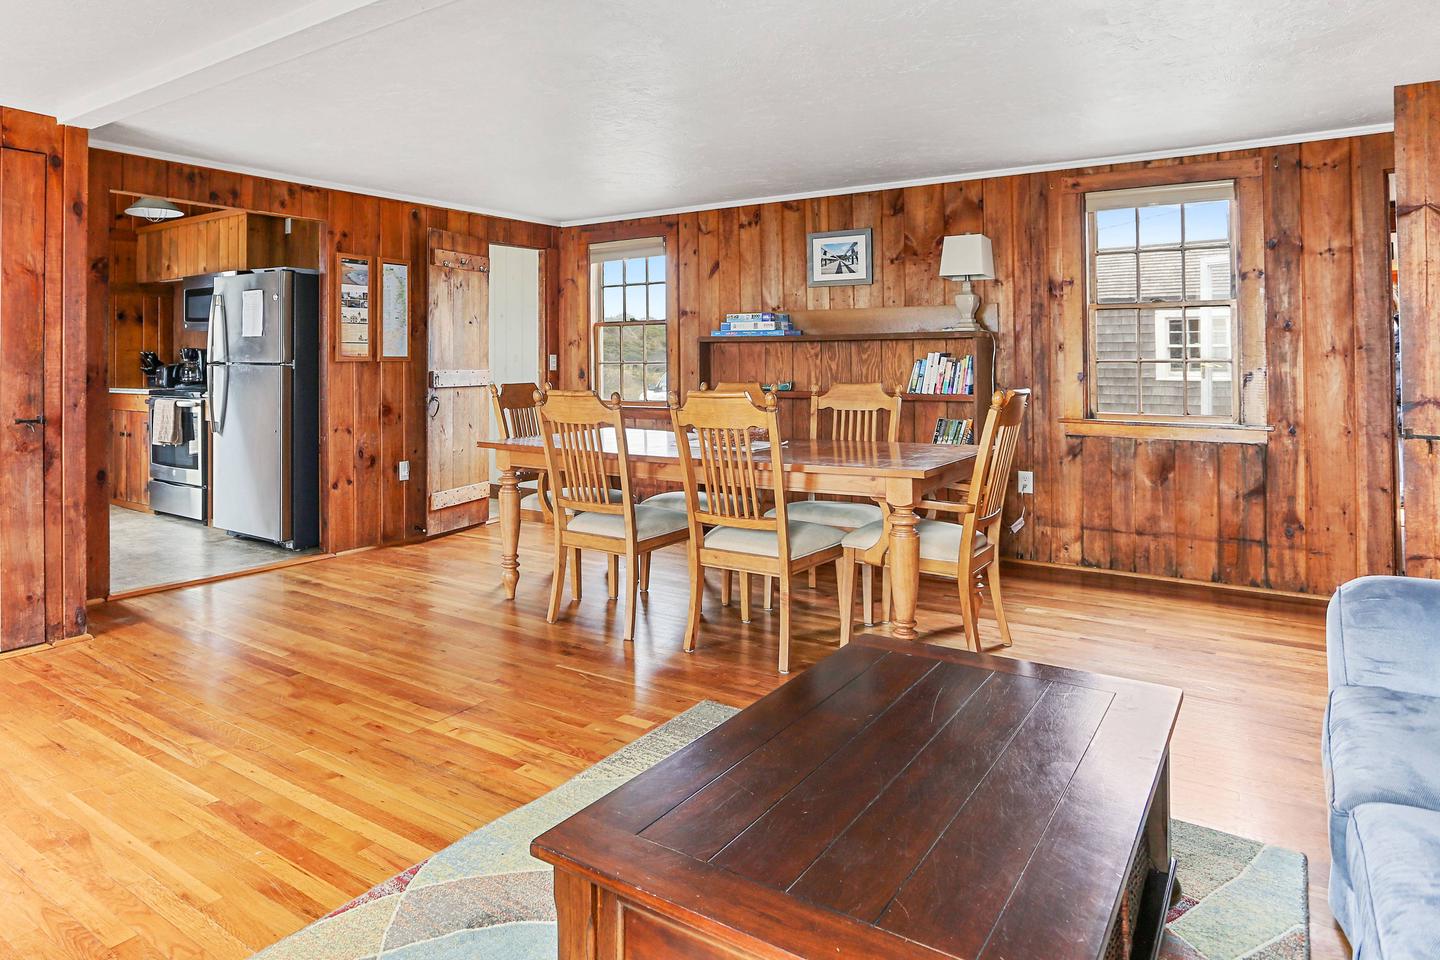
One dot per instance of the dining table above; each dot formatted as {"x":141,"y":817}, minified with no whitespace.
{"x":897,"y":475}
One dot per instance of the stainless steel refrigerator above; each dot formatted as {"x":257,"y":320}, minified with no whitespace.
{"x":264,"y":384}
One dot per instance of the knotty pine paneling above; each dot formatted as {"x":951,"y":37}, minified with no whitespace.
{"x":372,"y":412}
{"x":1308,"y":509}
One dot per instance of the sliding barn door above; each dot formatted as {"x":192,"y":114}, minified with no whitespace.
{"x":458,"y":403}
{"x":22,"y":428}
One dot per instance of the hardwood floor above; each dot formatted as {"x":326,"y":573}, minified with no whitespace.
{"x":222,"y":764}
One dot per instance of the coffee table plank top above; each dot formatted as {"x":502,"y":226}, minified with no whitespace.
{"x":894,"y":800}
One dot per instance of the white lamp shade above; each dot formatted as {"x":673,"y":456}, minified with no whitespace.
{"x":154,"y":209}
{"x":967,"y":256}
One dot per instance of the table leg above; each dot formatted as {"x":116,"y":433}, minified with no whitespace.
{"x":905,"y":570}
{"x":509,"y":528}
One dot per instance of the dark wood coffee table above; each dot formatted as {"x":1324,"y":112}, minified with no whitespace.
{"x":894,"y":800}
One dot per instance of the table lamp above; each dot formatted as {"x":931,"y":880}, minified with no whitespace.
{"x":966,"y":257}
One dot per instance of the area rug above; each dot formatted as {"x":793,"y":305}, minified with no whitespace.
{"x":486,"y":897}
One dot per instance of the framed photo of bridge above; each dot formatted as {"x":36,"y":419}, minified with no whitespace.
{"x":840,"y":258}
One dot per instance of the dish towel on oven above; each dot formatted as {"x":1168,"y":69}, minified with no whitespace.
{"x":165,"y":423}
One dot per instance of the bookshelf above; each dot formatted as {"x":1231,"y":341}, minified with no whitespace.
{"x":824,"y":356}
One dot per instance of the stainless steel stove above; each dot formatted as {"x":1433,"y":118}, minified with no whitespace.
{"x":178,"y":470}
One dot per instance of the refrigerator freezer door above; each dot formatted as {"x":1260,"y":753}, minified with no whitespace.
{"x":253,"y":318}
{"x":250,"y":457}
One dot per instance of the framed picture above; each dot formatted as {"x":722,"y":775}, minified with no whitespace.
{"x":353,"y":275}
{"x":840,"y":258}
{"x":394,"y":310}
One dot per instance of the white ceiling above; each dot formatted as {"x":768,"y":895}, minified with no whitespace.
{"x":571,"y":110}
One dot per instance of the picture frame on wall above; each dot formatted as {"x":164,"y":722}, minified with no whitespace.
{"x":840,"y":258}
{"x":394,"y":309}
{"x":353,"y":286}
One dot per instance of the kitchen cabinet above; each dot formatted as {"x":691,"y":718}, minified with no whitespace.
{"x":129,"y":466}
{"x":223,"y":240}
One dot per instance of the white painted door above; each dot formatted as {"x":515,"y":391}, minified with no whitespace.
{"x":514,"y":319}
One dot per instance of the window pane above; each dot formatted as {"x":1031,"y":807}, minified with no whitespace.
{"x":1206,"y":221}
{"x":657,"y":268}
{"x":1209,"y":274}
{"x":1160,"y":275}
{"x":614,"y":303}
{"x":610,"y":344}
{"x":635,"y":270}
{"x":1212,"y":333}
{"x":657,"y":301}
{"x":613,"y":274}
{"x":1115,"y":278}
{"x":635,"y":306}
{"x":655,"y":343}
{"x":1162,"y":391}
{"x":609,"y":383}
{"x":1160,"y":334}
{"x":1115,"y":335}
{"x":1115,"y":388}
{"x":632,"y":343}
{"x":1115,"y":229}
{"x":656,"y":381}
{"x":1209,"y":390}
{"x":632,"y":381}
{"x":1160,"y":225}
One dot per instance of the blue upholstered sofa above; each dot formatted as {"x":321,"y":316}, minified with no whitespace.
{"x":1382,"y":765}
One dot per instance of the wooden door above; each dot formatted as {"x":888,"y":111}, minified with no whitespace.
{"x":137,"y":455}
{"x":22,"y":427}
{"x":119,"y":455}
{"x":457,"y":403}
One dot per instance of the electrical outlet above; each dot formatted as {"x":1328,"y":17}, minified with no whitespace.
{"x":1026,"y":480}
{"x":554,"y":363}
{"x":404,"y":469}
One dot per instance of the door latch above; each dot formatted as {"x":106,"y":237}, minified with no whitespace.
{"x":31,"y":422}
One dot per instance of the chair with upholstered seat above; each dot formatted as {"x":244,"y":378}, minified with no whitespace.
{"x":848,"y":412}
{"x":675,"y":499}
{"x":578,"y":428}
{"x":966,"y":550}
{"x":515,"y":415}
{"x":725,"y":465}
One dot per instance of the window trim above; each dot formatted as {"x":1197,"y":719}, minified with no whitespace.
{"x":638,"y":232}
{"x":1160,"y":194}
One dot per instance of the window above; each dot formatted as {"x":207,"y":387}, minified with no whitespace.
{"x":1162,"y":302}
{"x":631,"y":345}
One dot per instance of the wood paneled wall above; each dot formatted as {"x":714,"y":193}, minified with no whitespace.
{"x":1305,"y":510}
{"x":1417,"y":220}
{"x":372,"y":412}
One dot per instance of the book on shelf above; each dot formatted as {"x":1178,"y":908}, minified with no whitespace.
{"x":949,"y":430}
{"x":943,"y":375}
{"x":756,"y":324}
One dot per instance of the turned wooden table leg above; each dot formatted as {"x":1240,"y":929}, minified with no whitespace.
{"x":905,"y":570}
{"x":509,"y":529}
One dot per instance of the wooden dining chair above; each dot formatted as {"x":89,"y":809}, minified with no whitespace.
{"x":967,"y":549}
{"x":577,"y":427}
{"x":856,"y":413}
{"x":516,"y":416}
{"x":675,"y":499}
{"x":744,"y":537}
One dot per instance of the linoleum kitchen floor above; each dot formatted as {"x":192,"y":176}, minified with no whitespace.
{"x":149,"y":549}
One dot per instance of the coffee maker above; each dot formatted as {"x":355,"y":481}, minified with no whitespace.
{"x":190,"y":371}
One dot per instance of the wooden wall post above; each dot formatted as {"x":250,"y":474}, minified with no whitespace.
{"x":1417,"y":175}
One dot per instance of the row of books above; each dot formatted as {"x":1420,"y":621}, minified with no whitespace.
{"x":941,"y":373}
{"x":950,"y":430}
{"x":765,"y":324}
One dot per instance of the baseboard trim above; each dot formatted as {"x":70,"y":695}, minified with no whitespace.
{"x":1162,"y":582}
{"x":46,"y":645}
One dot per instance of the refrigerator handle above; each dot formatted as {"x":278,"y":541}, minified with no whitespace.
{"x":219,"y":396}
{"x":219,"y":346}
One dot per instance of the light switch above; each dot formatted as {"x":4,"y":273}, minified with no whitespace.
{"x":404,"y":469}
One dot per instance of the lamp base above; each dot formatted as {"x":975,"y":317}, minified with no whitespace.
{"x":968,"y":303}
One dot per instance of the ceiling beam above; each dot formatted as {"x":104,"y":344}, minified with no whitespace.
{"x":236,"y":53}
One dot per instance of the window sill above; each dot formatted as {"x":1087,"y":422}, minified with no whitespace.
{"x":1151,"y":430}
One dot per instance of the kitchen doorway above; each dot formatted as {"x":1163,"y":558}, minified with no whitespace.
{"x":214,"y":382}
{"x":515,"y":311}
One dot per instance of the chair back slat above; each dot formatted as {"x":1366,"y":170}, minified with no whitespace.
{"x":855,"y":412}
{"x":754,"y":391}
{"x":991,"y":477}
{"x":721,"y":431}
{"x":515,"y":409}
{"x":578,"y":429}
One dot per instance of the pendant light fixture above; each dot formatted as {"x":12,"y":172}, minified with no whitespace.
{"x":154,"y":210}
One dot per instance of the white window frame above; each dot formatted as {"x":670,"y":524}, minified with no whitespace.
{"x":1192,"y":367}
